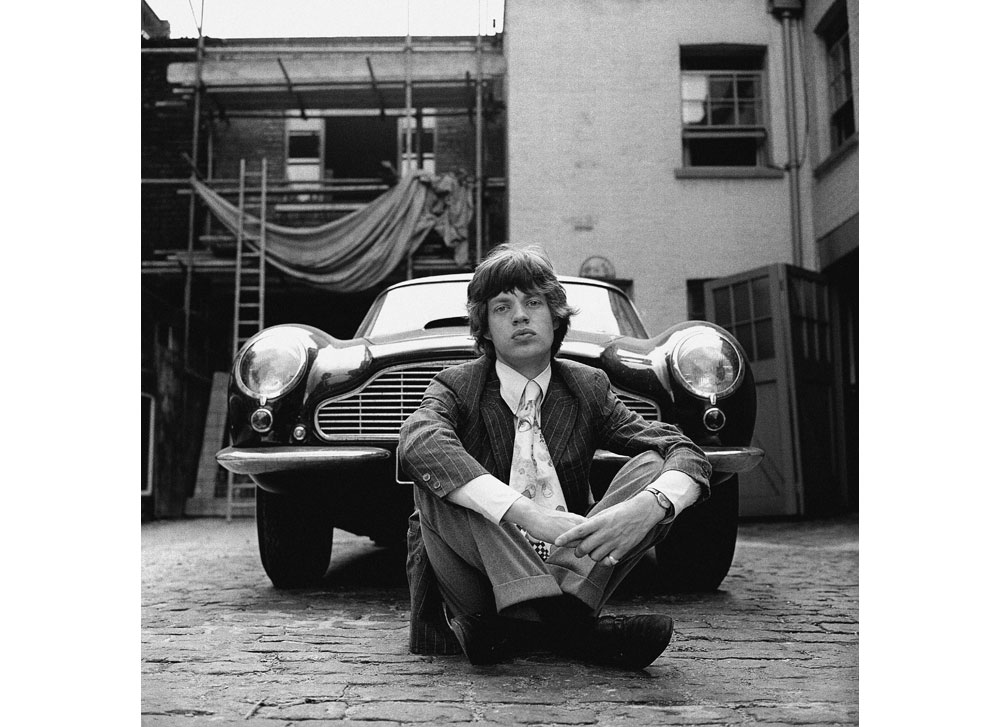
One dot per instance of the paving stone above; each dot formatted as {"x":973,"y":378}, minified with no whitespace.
{"x":777,"y":644}
{"x":409,"y":712}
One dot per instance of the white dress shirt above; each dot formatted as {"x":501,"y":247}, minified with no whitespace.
{"x":486,"y":494}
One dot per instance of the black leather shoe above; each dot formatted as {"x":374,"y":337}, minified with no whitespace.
{"x":484,"y":639}
{"x":628,"y":642}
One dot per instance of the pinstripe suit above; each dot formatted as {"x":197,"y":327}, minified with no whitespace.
{"x":463,"y":429}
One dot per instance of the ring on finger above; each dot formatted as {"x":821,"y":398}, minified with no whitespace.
{"x":612,"y":560}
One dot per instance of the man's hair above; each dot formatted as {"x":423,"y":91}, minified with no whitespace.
{"x":526,"y":268}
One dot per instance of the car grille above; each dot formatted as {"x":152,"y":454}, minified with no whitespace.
{"x":378,"y":409}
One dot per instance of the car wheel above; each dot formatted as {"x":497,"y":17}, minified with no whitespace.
{"x":697,"y":553}
{"x":295,"y":536}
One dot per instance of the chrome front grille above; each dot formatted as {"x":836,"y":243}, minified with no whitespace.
{"x":378,"y":409}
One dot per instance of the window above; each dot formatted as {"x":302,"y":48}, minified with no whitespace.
{"x":722,"y":106}
{"x":840,"y":89}
{"x":744,"y":309}
{"x":696,"y":299}
{"x":423,"y":128}
{"x":304,"y":150}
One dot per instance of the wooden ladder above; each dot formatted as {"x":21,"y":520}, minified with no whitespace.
{"x":248,"y":303}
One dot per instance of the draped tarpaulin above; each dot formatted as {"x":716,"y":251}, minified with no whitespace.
{"x":358,"y":251}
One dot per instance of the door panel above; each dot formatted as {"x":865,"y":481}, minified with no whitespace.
{"x":781,"y":315}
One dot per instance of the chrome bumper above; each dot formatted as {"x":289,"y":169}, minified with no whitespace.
{"x":264,"y":460}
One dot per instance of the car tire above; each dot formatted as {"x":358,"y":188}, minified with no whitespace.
{"x":295,"y":537}
{"x":698,"y":551}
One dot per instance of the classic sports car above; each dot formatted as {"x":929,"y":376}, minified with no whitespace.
{"x":315,"y":420}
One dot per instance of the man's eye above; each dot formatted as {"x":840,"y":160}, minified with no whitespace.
{"x":500,"y":308}
{"x":535,"y":302}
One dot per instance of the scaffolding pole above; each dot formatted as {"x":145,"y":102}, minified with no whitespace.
{"x":407,"y":133}
{"x":479,"y":141}
{"x":189,"y":269}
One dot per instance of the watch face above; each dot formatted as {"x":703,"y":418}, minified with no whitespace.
{"x":662,"y":499}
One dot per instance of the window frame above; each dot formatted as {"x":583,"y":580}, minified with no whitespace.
{"x":733,"y":61}
{"x":834,"y":30}
{"x":426,"y":161}
{"x":312,"y":126}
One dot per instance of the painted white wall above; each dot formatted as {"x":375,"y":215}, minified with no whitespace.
{"x":594,"y":137}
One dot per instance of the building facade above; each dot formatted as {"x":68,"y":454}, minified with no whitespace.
{"x":707,"y":151}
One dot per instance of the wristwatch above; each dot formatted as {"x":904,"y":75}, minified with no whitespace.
{"x":664,"y":502}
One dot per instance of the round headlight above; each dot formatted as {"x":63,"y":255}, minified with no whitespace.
{"x":707,"y":364}
{"x":272,"y":364}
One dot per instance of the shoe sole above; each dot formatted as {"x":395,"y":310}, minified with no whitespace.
{"x":476,"y":657}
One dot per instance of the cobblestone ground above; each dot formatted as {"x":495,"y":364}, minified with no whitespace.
{"x":777,"y":644}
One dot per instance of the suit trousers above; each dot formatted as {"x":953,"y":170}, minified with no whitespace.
{"x":486,"y":568}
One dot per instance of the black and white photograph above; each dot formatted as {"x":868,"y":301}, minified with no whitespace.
{"x":500,"y":361}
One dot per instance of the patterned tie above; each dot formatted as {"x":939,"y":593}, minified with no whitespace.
{"x":531,"y":470}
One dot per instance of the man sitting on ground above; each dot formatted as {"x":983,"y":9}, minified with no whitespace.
{"x":506,"y":526}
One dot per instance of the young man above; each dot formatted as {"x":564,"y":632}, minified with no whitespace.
{"x":506,"y":529}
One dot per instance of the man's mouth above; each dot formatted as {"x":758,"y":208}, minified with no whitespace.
{"x":523,"y":333}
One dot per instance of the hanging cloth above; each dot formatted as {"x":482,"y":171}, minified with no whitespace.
{"x":358,"y":251}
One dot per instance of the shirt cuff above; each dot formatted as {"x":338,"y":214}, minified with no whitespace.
{"x":486,"y":495}
{"x":682,"y":492}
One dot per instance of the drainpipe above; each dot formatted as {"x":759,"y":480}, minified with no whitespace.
{"x":787,"y":11}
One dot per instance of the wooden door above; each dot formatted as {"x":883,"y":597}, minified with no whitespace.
{"x":781,"y":315}
{"x":749,"y":305}
{"x":813,"y":374}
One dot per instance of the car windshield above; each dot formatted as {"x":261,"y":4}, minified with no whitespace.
{"x":438,"y":305}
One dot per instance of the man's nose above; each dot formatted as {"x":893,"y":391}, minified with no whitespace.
{"x":520,"y":313}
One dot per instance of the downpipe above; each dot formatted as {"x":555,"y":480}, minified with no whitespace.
{"x":791,"y":121}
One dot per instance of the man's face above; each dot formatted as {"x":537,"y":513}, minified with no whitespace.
{"x":521,"y":329}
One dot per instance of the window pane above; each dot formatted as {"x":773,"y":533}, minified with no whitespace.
{"x":694,"y":112}
{"x":746,"y":87}
{"x":723,"y":114}
{"x":808,"y":299}
{"x":761,"y":297}
{"x":765,"y":338}
{"x":303,"y":146}
{"x":796,"y":303}
{"x":837,"y":91}
{"x":721,"y":87}
{"x":734,"y":151}
{"x":745,"y":337}
{"x":741,"y":301}
{"x":694,"y":87}
{"x":723,"y":314}
{"x":748,"y":114}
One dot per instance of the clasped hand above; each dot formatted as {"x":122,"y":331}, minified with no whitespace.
{"x":610,"y":534}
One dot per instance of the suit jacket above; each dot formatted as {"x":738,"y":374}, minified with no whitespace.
{"x":463,"y":429}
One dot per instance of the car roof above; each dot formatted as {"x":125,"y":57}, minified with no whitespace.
{"x":466,"y":277}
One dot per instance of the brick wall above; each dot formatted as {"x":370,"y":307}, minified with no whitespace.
{"x":166,"y":135}
{"x":456,"y":146}
{"x":250,"y":139}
